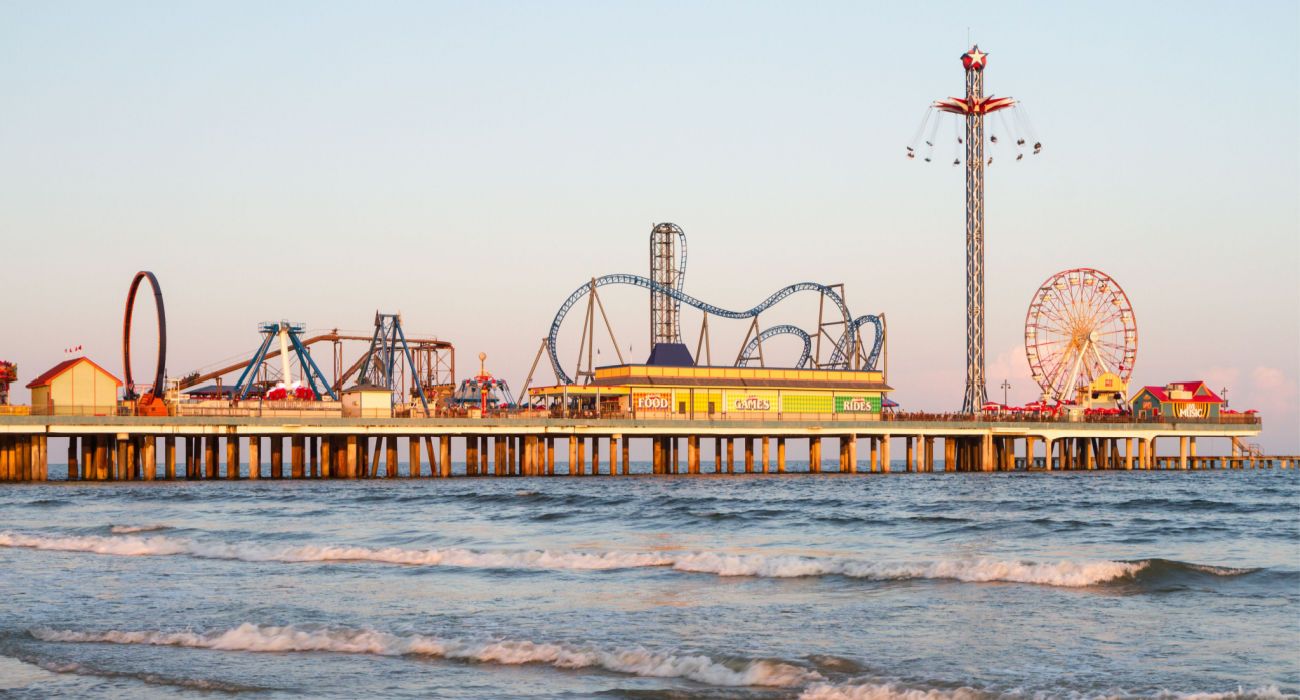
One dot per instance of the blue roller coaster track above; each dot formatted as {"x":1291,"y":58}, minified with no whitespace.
{"x":844,"y":349}
{"x":748,"y":353}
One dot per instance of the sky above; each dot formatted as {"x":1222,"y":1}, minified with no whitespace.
{"x":470,"y":164}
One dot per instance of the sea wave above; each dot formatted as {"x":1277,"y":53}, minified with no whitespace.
{"x":894,"y":691}
{"x":129,"y":529}
{"x":637,"y":661}
{"x":1069,"y":574}
{"x":888,"y":691}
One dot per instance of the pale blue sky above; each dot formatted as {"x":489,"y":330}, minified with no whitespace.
{"x":470,"y":164}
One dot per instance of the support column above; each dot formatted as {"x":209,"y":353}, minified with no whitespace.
{"x":390,"y":456}
{"x":693,"y":454}
{"x":731,"y":455}
{"x":1182,"y":452}
{"x":627,"y":456}
{"x":296,"y":456}
{"x":749,"y":455}
{"x":254,"y":457}
{"x":613,"y":455}
{"x":169,"y":457}
{"x":908,"y":442}
{"x":780,"y":455}
{"x":595,"y":455}
{"x":232,"y":456}
{"x":103,"y":456}
{"x":884,"y":454}
{"x":815,"y":455}
{"x":767,"y":454}
{"x":210,"y":456}
{"x":444,"y":455}
{"x":573,"y":455}
{"x":74,"y":472}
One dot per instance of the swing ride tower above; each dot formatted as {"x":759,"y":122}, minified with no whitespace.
{"x":973,"y":108}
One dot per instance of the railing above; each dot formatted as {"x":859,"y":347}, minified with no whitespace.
{"x":261,"y":409}
{"x":114,"y":410}
{"x":334,"y":409}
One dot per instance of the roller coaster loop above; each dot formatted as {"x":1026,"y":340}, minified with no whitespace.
{"x":748,"y":353}
{"x":838,"y":357}
{"x":162,"y":333}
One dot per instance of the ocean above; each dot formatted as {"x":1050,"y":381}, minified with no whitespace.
{"x":1075,"y":585}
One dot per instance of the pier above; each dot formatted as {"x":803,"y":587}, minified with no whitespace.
{"x":193,"y":448}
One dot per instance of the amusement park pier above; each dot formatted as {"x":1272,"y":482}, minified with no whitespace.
{"x":334,"y":415}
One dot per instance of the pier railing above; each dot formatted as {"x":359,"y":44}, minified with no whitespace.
{"x":334,"y":409}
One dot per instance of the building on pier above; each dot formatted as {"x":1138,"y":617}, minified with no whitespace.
{"x":77,"y":386}
{"x":1177,"y":400}
{"x":718,"y":393}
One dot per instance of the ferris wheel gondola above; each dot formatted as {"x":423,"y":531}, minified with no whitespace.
{"x":1080,"y":325}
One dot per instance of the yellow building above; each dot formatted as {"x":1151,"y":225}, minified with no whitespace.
{"x":367,"y":401}
{"x":1106,"y":391}
{"x":76,"y":387}
{"x":736,"y":393}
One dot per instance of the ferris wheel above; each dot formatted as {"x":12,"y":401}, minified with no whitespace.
{"x":1080,"y":325}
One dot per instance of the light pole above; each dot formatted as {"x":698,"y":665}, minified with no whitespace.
{"x":1224,"y":393}
{"x":1005,"y":386}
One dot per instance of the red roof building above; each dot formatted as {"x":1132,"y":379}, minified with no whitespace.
{"x":75,"y":387}
{"x":1177,"y":400}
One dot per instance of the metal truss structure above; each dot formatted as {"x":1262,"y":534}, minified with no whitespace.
{"x":668,"y":270}
{"x":289,"y":336}
{"x":388,"y":359}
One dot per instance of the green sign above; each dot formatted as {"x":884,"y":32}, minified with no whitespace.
{"x":857,"y":404}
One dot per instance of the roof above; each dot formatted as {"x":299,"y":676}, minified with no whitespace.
{"x":367,"y":386}
{"x":1200,"y":393}
{"x":744,"y":382}
{"x":52,"y":373}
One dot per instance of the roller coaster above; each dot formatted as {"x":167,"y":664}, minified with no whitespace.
{"x":847,"y":351}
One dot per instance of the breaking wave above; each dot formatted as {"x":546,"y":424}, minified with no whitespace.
{"x":129,"y":529}
{"x":1071,"y":574}
{"x":636,"y":661}
{"x":893,"y":691}
{"x":888,"y":691}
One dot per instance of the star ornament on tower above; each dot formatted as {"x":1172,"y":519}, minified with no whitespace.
{"x":974,"y":59}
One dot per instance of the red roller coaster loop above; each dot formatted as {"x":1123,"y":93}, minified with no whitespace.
{"x":157,"y":387}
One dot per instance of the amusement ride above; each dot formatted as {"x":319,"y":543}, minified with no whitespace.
{"x":1080,"y":325}
{"x":835,"y":343}
{"x":978,"y":144}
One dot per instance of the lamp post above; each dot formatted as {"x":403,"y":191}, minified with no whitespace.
{"x":1224,"y":393}
{"x":1005,"y":386}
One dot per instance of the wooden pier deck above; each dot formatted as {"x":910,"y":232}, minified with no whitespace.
{"x":128,"y":448}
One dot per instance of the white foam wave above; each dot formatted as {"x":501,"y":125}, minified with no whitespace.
{"x":633,"y":661}
{"x":1268,"y":692}
{"x":893,"y":691}
{"x":129,"y":529}
{"x":1063,"y":573}
{"x":887,"y":691}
